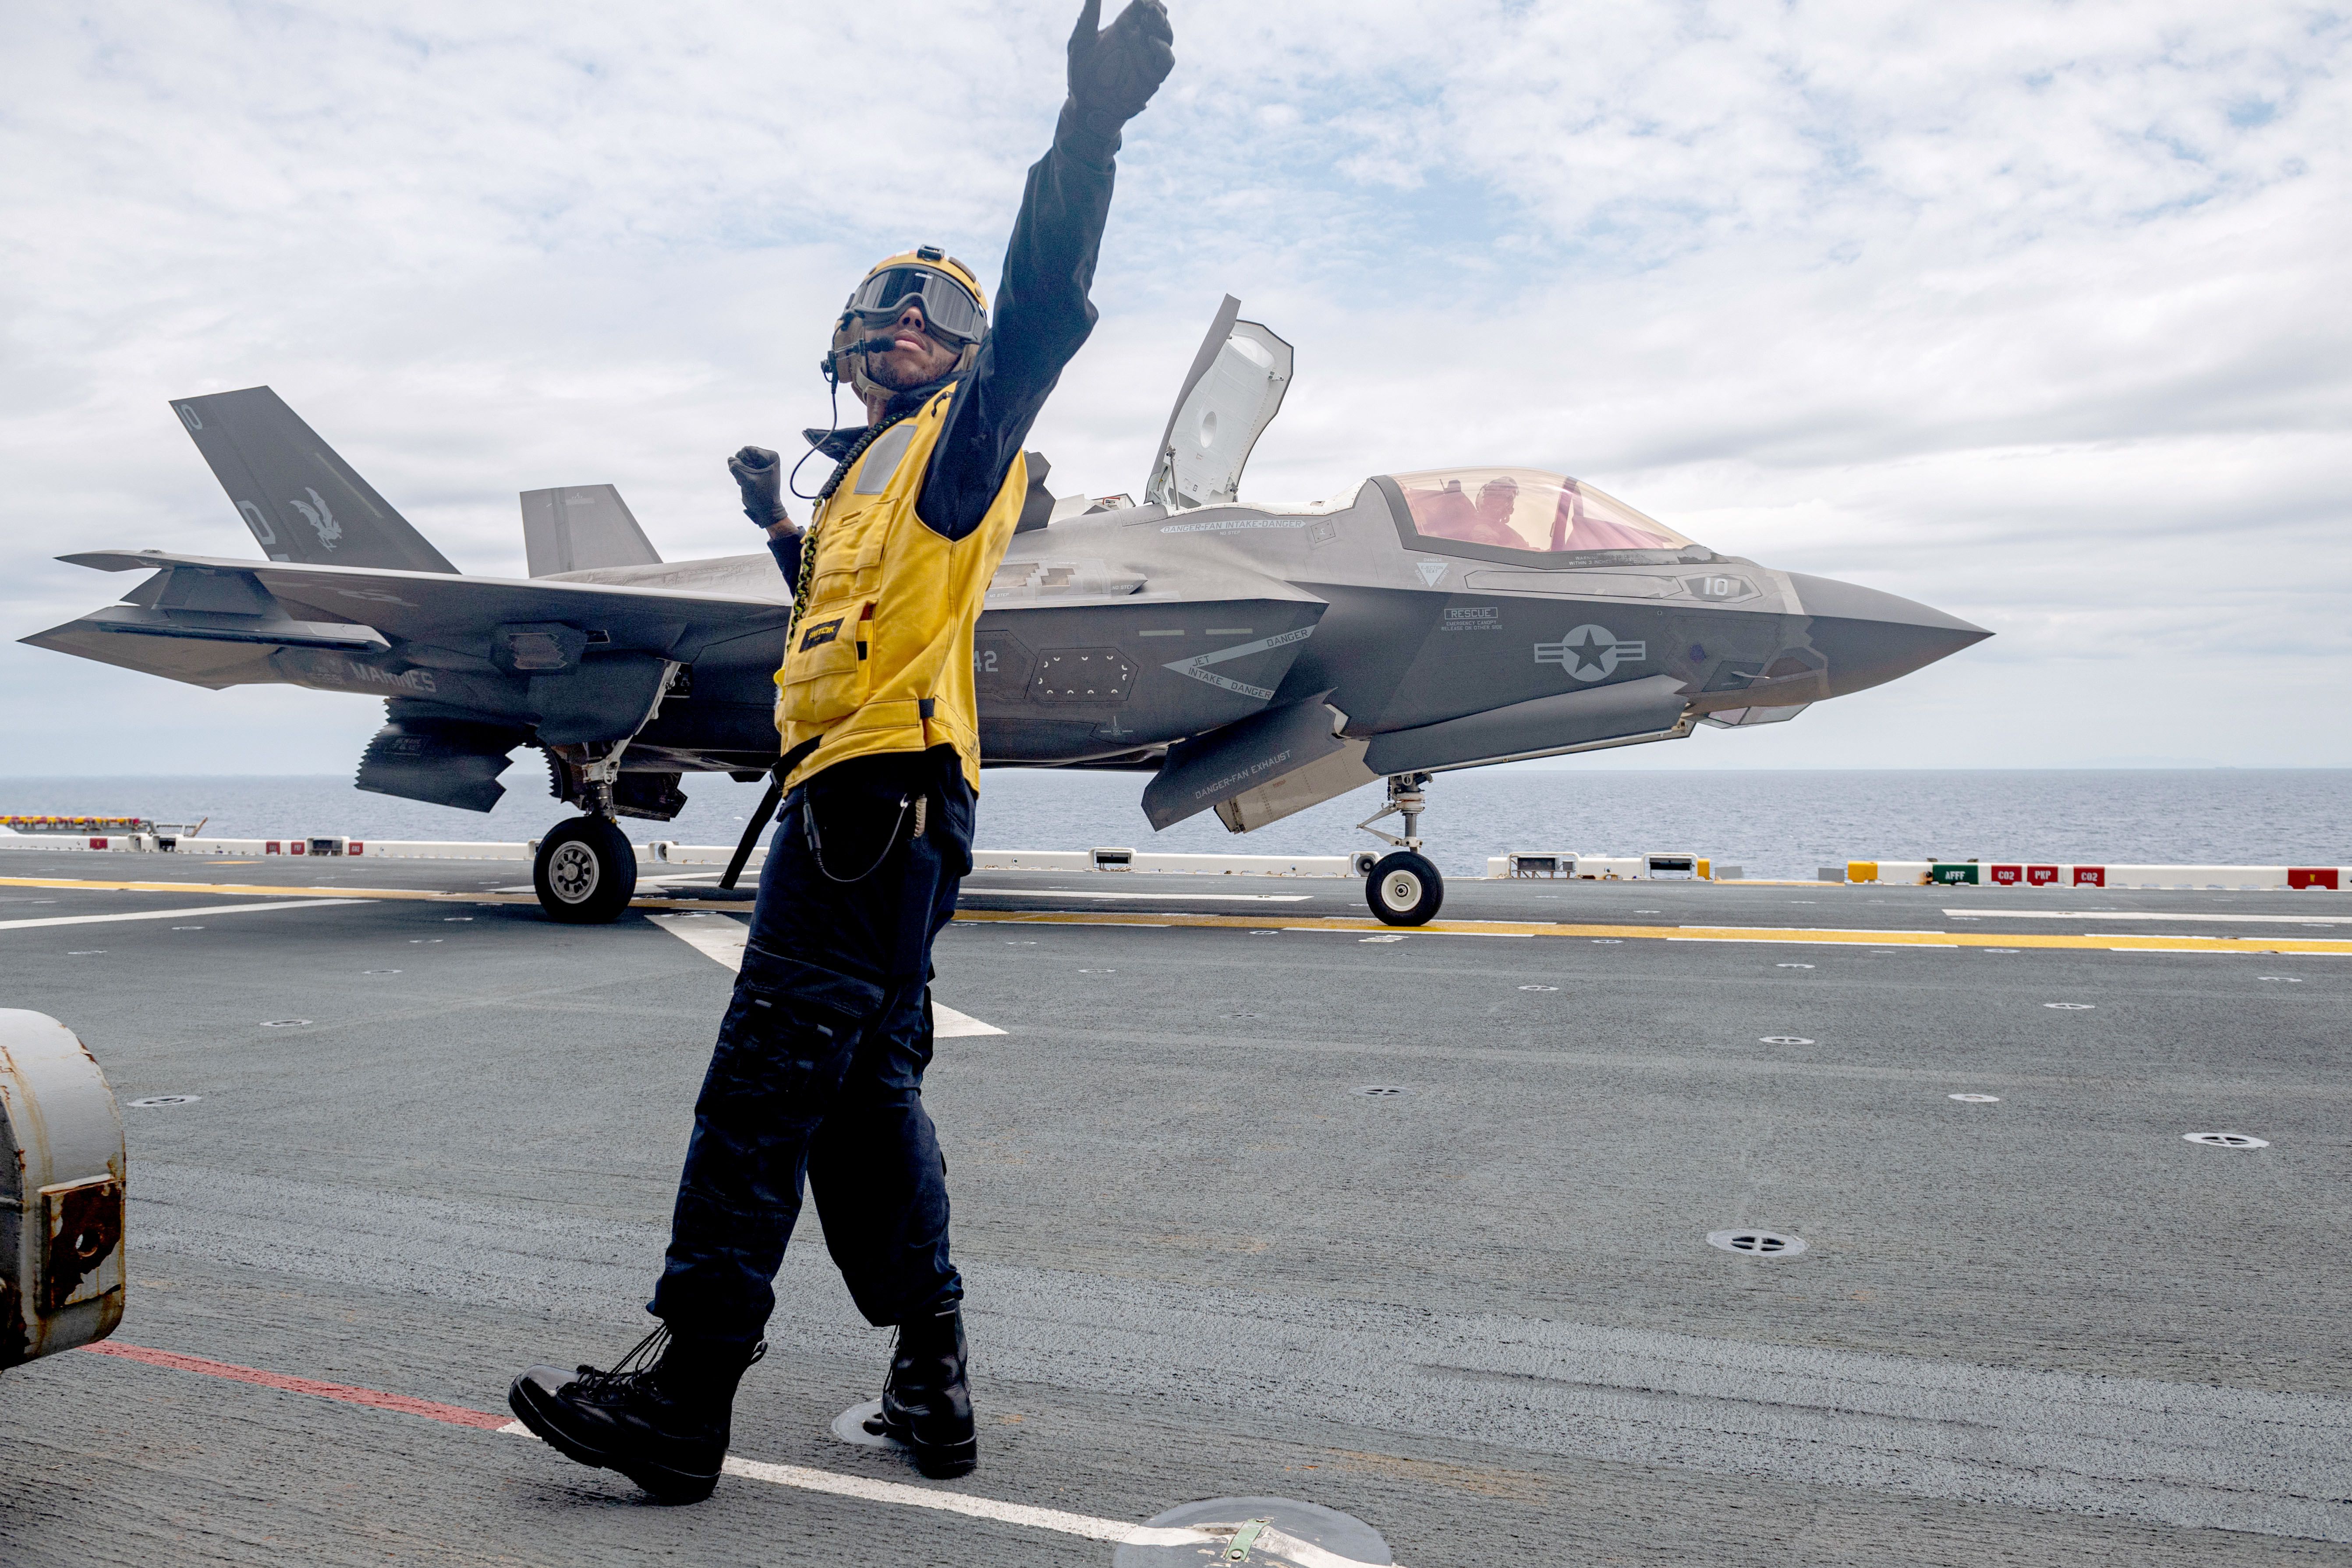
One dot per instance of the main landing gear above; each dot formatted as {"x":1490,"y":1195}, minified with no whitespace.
{"x":1403,"y":889}
{"x":586,"y":871}
{"x":586,"y":868}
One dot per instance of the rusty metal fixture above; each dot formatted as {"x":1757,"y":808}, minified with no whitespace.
{"x":62,"y":1180}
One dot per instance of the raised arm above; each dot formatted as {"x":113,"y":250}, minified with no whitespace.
{"x":1042,"y":313}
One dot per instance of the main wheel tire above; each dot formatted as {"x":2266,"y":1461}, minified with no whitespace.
{"x":1405,"y":889}
{"x":586,"y":871}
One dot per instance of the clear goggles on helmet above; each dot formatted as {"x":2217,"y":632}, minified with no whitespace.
{"x":948,"y":308}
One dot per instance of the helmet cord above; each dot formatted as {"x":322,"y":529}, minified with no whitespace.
{"x":833,"y":421}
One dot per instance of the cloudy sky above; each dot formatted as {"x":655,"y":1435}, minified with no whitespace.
{"x":2037,"y":312}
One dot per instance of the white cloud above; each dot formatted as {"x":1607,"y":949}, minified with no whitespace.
{"x":2031,"y":311}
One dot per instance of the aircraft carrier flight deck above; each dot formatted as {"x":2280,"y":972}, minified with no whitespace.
{"x":1596,"y":1221}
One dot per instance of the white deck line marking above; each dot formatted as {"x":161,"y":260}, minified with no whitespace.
{"x":1206,"y":898}
{"x":721,"y":939}
{"x":2231,"y":952}
{"x":714,"y":936}
{"x":2209,"y":952}
{"x":177,"y":914}
{"x":2140,"y":915}
{"x":1085,"y":1526}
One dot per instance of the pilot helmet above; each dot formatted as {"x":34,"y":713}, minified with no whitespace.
{"x":955,"y":311}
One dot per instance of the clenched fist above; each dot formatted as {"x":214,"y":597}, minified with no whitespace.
{"x":759,"y":474}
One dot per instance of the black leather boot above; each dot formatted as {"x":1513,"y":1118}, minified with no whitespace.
{"x":658,"y":1416}
{"x":927,"y":1403}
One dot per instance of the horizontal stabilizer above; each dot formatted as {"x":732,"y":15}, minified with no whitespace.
{"x":302,"y":502}
{"x":199,"y":626}
{"x":581,"y":528}
{"x":240,"y":621}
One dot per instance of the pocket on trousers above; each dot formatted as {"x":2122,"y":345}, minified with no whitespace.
{"x":789,"y":1030}
{"x":827,"y":994}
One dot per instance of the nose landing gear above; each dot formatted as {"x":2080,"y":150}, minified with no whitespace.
{"x":1404,"y":888}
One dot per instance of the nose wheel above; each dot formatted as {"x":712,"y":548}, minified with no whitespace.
{"x":1404,"y":888}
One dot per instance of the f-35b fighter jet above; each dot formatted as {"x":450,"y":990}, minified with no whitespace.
{"x":1255,"y":659}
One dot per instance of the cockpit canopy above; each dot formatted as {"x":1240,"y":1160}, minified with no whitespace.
{"x":1527,"y":510}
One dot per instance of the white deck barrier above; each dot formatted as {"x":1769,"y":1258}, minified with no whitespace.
{"x":1518,"y":863}
{"x":2084,"y":874}
{"x":1569,"y":865}
{"x":114,"y":841}
{"x":669,"y":852}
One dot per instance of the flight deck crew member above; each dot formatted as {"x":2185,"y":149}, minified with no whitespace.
{"x":819,"y":1066}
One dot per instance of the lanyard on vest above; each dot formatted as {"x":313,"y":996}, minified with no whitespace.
{"x":809,"y":546}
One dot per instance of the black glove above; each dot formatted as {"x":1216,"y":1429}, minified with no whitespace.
{"x":1114,"y":72}
{"x":760,"y":475}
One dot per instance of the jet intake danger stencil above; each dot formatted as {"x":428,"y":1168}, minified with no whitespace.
{"x":1590,"y":652}
{"x":1198,"y":668}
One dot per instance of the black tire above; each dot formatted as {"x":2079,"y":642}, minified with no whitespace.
{"x":1405,"y":889}
{"x":586,"y":871}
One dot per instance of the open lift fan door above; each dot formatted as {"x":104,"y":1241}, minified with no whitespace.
{"x":1231,"y":395}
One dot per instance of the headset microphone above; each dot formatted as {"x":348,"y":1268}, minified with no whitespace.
{"x":881,"y":346}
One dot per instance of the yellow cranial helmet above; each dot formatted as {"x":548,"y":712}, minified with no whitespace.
{"x":955,"y":310}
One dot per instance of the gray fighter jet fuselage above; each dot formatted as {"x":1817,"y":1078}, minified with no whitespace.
{"x":1255,"y":659}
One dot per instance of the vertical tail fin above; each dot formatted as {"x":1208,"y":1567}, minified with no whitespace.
{"x":301,"y":502}
{"x":581,"y":526}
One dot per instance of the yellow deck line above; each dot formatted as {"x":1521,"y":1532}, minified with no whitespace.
{"x":2168,"y":942}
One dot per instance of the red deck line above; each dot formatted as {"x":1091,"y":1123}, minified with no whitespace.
{"x":455,"y":1414}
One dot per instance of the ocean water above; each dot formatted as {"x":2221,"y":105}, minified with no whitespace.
{"x":1771,"y":824}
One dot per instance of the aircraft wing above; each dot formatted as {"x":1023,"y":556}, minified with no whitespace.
{"x":217,"y":621}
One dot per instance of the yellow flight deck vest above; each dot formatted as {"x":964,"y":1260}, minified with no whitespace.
{"x":881,"y":653}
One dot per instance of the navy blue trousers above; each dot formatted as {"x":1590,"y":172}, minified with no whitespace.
{"x":818,"y":1074}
